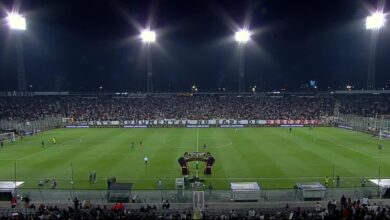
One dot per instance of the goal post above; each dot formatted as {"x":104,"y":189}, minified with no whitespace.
{"x":384,"y":134}
{"x":384,"y":127}
{"x":9,"y":136}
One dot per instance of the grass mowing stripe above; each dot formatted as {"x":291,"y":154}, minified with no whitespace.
{"x":272,"y":156}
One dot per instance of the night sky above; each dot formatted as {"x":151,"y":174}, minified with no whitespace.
{"x":81,"y":45}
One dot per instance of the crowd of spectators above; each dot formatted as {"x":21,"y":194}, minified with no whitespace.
{"x":29,"y":108}
{"x":367,"y":106}
{"x":92,"y":108}
{"x":198,"y":108}
{"x":344,"y":208}
{"x":194,"y":108}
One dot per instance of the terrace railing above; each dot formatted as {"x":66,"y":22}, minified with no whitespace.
{"x":30,"y":126}
{"x":364,"y":123}
{"x":57,"y":196}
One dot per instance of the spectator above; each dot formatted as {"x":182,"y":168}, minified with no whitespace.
{"x":13,"y":202}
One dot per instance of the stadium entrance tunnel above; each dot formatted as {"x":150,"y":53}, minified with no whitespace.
{"x":205,"y":157}
{"x":119,"y":192}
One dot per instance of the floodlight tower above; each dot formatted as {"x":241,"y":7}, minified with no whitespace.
{"x":17,"y":23}
{"x":242,"y":37}
{"x":373,"y":23}
{"x":149,"y":37}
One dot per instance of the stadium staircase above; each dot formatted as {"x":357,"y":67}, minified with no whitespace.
{"x":336,"y":109}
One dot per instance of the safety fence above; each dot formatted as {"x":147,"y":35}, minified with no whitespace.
{"x":31,"y":127}
{"x":366,"y":124}
{"x":186,"y":196}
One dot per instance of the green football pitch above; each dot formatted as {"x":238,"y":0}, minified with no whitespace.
{"x":274,"y":157}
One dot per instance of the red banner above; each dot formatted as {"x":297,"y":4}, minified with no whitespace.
{"x":293,"y":122}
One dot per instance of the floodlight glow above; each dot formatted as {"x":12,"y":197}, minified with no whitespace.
{"x":242,"y":36}
{"x":16,"y":22}
{"x":375,"y":21}
{"x":148,"y":36}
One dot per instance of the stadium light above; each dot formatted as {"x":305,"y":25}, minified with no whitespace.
{"x":148,"y":36}
{"x":375,"y":21}
{"x":194,"y":88}
{"x":254,"y":89}
{"x":242,"y":36}
{"x":16,"y":22}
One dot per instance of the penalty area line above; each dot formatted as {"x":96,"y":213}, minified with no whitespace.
{"x":47,"y":148}
{"x":26,"y":157}
{"x":225,"y":145}
{"x":36,"y":153}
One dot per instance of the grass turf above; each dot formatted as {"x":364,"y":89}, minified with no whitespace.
{"x":274,"y":157}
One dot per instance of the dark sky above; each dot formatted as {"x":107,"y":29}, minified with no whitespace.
{"x":82,"y":44}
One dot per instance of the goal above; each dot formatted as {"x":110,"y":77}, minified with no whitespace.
{"x":384,"y":134}
{"x":10,"y":136}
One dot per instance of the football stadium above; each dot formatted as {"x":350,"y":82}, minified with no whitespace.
{"x":179,"y":130}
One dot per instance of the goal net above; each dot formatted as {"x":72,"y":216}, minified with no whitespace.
{"x":384,"y":134}
{"x":10,"y":136}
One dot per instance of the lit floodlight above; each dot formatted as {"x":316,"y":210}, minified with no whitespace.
{"x":16,"y":22}
{"x":242,"y":36}
{"x":148,"y":36}
{"x":375,"y":21}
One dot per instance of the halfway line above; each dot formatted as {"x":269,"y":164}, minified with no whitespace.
{"x":197,"y":140}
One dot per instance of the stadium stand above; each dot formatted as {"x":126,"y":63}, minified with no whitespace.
{"x":107,"y":107}
{"x":345,"y":208}
{"x":193,"y":107}
{"x":366,"y":106}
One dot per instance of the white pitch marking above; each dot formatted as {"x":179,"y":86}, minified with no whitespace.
{"x":197,"y":140}
{"x":225,"y":145}
{"x":47,"y":148}
{"x":31,"y":155}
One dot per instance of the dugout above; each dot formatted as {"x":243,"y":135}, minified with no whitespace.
{"x":7,"y":189}
{"x":384,"y":186}
{"x":310,"y":191}
{"x":119,"y":192}
{"x":385,"y":192}
{"x":245,"y":191}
